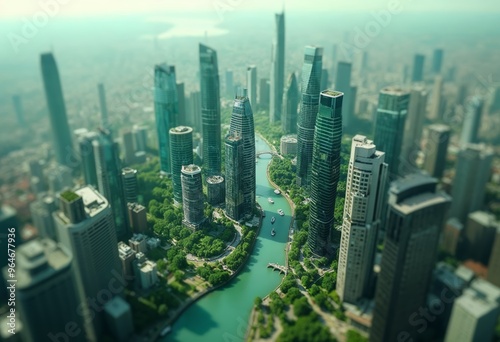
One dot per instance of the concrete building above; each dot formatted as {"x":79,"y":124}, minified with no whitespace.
{"x":414,"y":125}
{"x":119,"y":319}
{"x":437,"y":61}
{"x":494,"y":263}
{"x":128,"y":147}
{"x":146,"y":272}
{"x":87,"y":157}
{"x":288,"y":144}
{"x":216,"y":192}
{"x":478,"y":237}
{"x":418,"y":68}
{"x":130,"y":187}
{"x":137,"y":217}
{"x":41,"y":214}
{"x":436,"y":149}
{"x":181,"y":153}
{"x":192,"y":196}
{"x":451,"y":236}
{"x":277,"y":69}
{"x":138,"y":243}
{"x":234,"y":171}
{"x":472,"y":121}
{"x":127,"y":257}
{"x":291,"y":99}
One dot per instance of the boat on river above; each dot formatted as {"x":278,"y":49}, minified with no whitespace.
{"x":273,"y":232}
{"x":273,"y":219}
{"x":270,"y":200}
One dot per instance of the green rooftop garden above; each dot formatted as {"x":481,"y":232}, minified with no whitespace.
{"x":69,"y":195}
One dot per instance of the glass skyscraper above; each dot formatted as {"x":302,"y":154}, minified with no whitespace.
{"x":63,"y":147}
{"x":234,"y":175}
{"x":277,"y":69}
{"x":252,"y":85}
{"x":181,"y":153}
{"x":343,"y":84}
{"x":290,"y":105}
{"x":311,"y":80}
{"x":325,"y":170}
{"x":166,"y":111}
{"x":210,"y":110}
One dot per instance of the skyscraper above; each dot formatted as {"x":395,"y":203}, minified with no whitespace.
{"x":210,"y":110}
{"x":325,"y":170}
{"x":109,"y":178}
{"x":86,"y":227}
{"x":278,"y":69}
{"x":290,"y":105}
{"x":364,"y":195}
{"x":234,"y":176}
{"x":414,"y":220}
{"x":242,"y":125}
{"x":181,"y":97}
{"x":192,"y":196}
{"x":252,"y":85}
{"x":437,"y":109}
{"x":436,"y":149}
{"x":57,"y":111}
{"x":47,"y":295}
{"x":325,"y":82}
{"x":181,"y":153}
{"x":129,"y":181}
{"x":418,"y":68}
{"x":194,"y":113}
{"x":478,"y":236}
{"x":103,"y":106}
{"x":264,"y":92}
{"x":472,"y":173}
{"x":230,"y":89}
{"x":494,"y":262}
{"x":472,"y":121}
{"x":129,"y":148}
{"x":311,"y":80}
{"x":413,"y":128}
{"x":166,"y":111}
{"x":87,"y":157}
{"x":389,"y":125}
{"x":343,"y":84}
{"x":437,"y":61}
{"x":41,"y":213}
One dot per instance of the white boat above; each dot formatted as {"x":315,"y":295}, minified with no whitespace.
{"x":281,"y":212}
{"x":270,"y":200}
{"x":273,"y":232}
{"x":273,"y":219}
{"x":166,"y":330}
{"x":277,"y":192}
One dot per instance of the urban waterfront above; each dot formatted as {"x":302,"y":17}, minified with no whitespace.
{"x":223,"y":314}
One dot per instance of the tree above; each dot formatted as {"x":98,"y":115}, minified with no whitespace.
{"x":257,"y":302}
{"x":301,"y":307}
{"x":354,"y":336}
{"x":306,"y":281}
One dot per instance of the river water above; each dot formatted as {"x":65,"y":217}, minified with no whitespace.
{"x":223,"y":314}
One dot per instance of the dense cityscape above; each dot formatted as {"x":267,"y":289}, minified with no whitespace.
{"x":195,"y":187}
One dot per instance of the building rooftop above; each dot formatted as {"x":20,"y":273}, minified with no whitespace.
{"x":181,"y":130}
{"x":332,"y":93}
{"x":69,"y":196}
{"x":397,"y":91}
{"x":124,"y":251}
{"x":215,"y":179}
{"x":138,"y":238}
{"x":93,"y":201}
{"x":136,"y":207}
{"x":148,"y":266}
{"x":191,"y":169}
{"x":290,"y":138}
{"x":418,"y":202}
{"x":483,"y":218}
{"x":117,"y":307}
{"x":439,"y":128}
{"x":475,"y":303}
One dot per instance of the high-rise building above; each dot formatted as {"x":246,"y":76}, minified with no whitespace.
{"x":495,"y":101}
{"x":288,"y":144}
{"x":252,"y":85}
{"x":334,"y":59}
{"x":194,"y":113}
{"x":230,"y":89}
{"x":418,"y":68}
{"x":181,"y":96}
{"x":181,"y":153}
{"x":242,"y":125}
{"x":87,"y":157}
{"x":41,"y":214}
{"x":343,"y":84}
{"x":216,"y":193}
{"x":129,"y":148}
{"x":451,"y":236}
{"x":210,"y":110}
{"x":311,"y":81}
{"x":137,"y":218}
{"x":325,"y":170}
{"x":127,"y":257}
{"x":389,"y":125}
{"x":18,"y":109}
{"x":8,"y":220}
{"x":278,"y":69}
{"x":436,"y":111}
{"x":362,"y":210}
{"x":472,"y":173}
{"x":264,"y":92}
{"x":86,"y":227}
{"x":166,"y":110}
{"x":472,"y":121}
{"x":63,"y":146}
{"x":129,"y":181}
{"x":436,"y":149}
{"x":325,"y":81}
{"x":475,"y":313}
{"x":234,"y":176}
{"x":414,"y":220}
{"x":437,"y":61}
{"x":103,"y":107}
{"x":192,"y":196}
{"x":119,"y":319}
{"x":109,"y":178}
{"x":46,"y":288}
{"x":58,"y":177}
{"x":478,"y":236}
{"x":414,"y":124}
{"x":290,"y":105}
{"x":494,"y":262}
{"x":140,"y":137}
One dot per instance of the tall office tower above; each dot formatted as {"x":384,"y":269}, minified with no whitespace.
{"x":234,"y":176}
{"x":325,"y":170}
{"x":462,"y":94}
{"x":495,"y":101}
{"x":140,"y":137}
{"x":311,"y":81}
{"x":334,"y":59}
{"x":290,"y":105}
{"x":194,"y":114}
{"x":494,"y":262}
{"x":41,"y":214}
{"x":437,"y":61}
{"x":414,"y":220}
{"x":119,"y":319}
{"x":230,"y":89}
{"x":252,"y":85}
{"x":325,"y":81}
{"x":278,"y":69}
{"x":242,"y":125}
{"x":210,"y":110}
{"x":437,"y":108}
{"x":436,"y":149}
{"x":364,"y":194}
{"x":129,"y":181}
{"x":18,"y":108}
{"x":414,"y":125}
{"x":192,"y":196}
{"x":8,"y":220}
{"x":166,"y":111}
{"x":109,"y":178}
{"x":352,"y":102}
{"x":47,"y":296}
{"x":418,"y":68}
{"x":57,"y":111}
{"x":85,"y":226}
{"x":129,"y":148}
{"x":389,"y":125}
{"x":474,"y":314}
{"x":472,"y":173}
{"x":216,"y":193}
{"x":451,"y":236}
{"x":137,"y":218}
{"x":181,"y":153}
{"x":103,"y":106}
{"x":479,"y":236}
{"x":472,"y":121}
{"x":181,"y":96}
{"x":364,"y":63}
{"x":87,"y":157}
{"x":343,"y":84}
{"x":264,"y":93}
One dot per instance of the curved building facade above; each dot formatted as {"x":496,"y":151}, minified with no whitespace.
{"x":290,"y":105}
{"x":234,"y":171}
{"x":192,"y":196}
{"x":181,"y":153}
{"x":216,"y":192}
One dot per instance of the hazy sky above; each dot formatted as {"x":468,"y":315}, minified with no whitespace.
{"x":27,"y":8}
